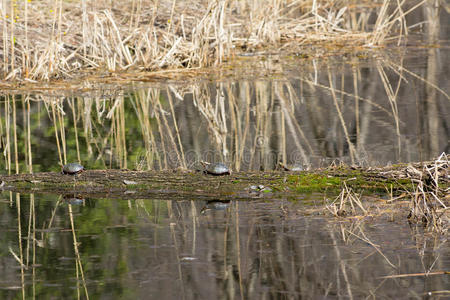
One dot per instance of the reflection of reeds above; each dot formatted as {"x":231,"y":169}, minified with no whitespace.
{"x":238,"y":249}
{"x":342,"y":266}
{"x":214,"y":114}
{"x":248,"y":124}
{"x":20,"y":258}
{"x":75,"y":127}
{"x":362,"y":236}
{"x":392,"y":97}
{"x":19,"y":234}
{"x":7,"y":133}
{"x":58,"y":130}
{"x":16,"y":152}
{"x":253,"y":250}
{"x":33,"y":237}
{"x":341,"y":118}
{"x":79,"y":267}
{"x":177,"y":131}
{"x":28,"y":136}
{"x":141,"y":105}
{"x":288,"y":109}
{"x":173,"y":235}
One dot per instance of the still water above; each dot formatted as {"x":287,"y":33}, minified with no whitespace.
{"x":198,"y":249}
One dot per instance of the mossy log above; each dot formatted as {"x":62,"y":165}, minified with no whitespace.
{"x":178,"y":183}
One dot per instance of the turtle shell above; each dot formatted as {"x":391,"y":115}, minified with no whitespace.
{"x":293,"y":168}
{"x":72,"y":168}
{"x":296,"y":168}
{"x":217,"y":169}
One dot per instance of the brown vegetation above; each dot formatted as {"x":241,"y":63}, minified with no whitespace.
{"x":45,"y":40}
{"x":428,"y":198}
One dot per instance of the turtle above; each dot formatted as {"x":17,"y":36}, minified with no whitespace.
{"x":72,"y":169}
{"x":293,"y":168}
{"x":216,"y":169}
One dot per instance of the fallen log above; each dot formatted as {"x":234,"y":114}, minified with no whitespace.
{"x":179,"y":183}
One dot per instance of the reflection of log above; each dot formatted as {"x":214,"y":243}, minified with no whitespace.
{"x":157,"y":184}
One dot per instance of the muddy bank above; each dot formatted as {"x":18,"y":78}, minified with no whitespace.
{"x":136,"y":184}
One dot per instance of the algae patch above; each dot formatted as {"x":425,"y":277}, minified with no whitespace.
{"x":310,"y":182}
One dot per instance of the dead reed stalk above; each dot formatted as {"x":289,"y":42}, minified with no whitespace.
{"x":346,"y":203}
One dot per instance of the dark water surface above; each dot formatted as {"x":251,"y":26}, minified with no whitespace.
{"x":194,"y":249}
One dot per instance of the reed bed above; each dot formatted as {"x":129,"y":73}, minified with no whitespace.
{"x":48,"y":40}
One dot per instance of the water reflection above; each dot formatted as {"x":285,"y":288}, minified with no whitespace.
{"x":179,"y":249}
{"x":312,"y":112}
{"x":215,"y":205}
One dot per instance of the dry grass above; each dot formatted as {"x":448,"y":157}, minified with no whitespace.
{"x":347,"y":203}
{"x":429,"y":200}
{"x":45,"y":40}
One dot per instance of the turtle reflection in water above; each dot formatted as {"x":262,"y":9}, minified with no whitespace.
{"x":74,"y":199}
{"x":215,"y":205}
{"x":216,"y":169}
{"x":292,"y":168}
{"x":72,"y":169}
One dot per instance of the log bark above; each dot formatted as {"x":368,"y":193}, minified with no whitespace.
{"x":177,"y":183}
